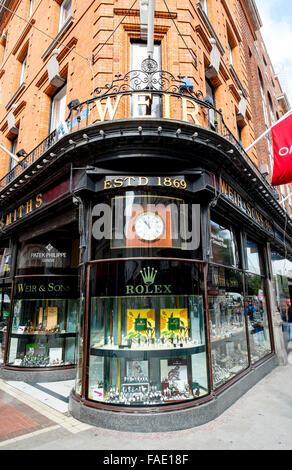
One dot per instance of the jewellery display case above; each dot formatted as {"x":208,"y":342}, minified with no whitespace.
{"x":227,"y":323}
{"x":147,"y":349}
{"x":43,"y":329}
{"x":257,"y":315}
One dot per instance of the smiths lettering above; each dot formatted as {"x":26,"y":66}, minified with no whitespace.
{"x":21,"y":211}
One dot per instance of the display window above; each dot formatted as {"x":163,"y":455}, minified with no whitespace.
{"x":281,"y":268}
{"x":227,"y":323}
{"x":5,"y":262}
{"x":44,"y":322}
{"x":147,"y":333}
{"x":253,"y":257}
{"x":49,"y":254}
{"x":224,"y":246}
{"x":257,"y":316}
{"x":5,"y":295}
{"x":142,"y":224}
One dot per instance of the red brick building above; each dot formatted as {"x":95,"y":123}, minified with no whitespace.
{"x":150,"y":311}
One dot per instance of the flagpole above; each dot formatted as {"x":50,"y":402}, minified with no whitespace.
{"x":9,"y":153}
{"x":268,"y":130}
{"x":150,"y":28}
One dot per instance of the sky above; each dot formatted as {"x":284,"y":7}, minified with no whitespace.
{"x":276,"y":17}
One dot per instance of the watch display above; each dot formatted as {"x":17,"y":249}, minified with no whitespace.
{"x":148,"y":349}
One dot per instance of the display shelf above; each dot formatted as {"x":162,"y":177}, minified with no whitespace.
{"x":42,"y":335}
{"x":144,"y":354}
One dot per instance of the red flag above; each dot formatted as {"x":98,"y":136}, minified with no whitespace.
{"x":282,"y":147}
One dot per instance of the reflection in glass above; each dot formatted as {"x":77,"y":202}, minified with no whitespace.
{"x":147,"y":349}
{"x":253,"y":257}
{"x":258,"y":324}
{"x":227,"y":324}
{"x":224,"y":249}
{"x":5,"y":293}
{"x":281,"y":268}
{"x":43,"y":329}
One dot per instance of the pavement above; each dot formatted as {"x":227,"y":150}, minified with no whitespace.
{"x":36,"y":417}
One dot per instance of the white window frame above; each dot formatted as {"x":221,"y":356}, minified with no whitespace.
{"x":204,"y":4}
{"x":23,"y":70}
{"x":30,"y":8}
{"x":138,"y":54}
{"x":65,"y":11}
{"x":61,"y":99}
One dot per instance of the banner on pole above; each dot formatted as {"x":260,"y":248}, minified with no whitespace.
{"x":282,"y":148}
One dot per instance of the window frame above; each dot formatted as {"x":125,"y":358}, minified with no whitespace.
{"x":54,"y":99}
{"x":65,"y":11}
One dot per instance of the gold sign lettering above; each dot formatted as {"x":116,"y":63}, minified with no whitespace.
{"x":21,"y":211}
{"x":237,"y":200}
{"x":163,"y":181}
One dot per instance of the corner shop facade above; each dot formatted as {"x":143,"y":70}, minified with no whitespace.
{"x":162,"y":322}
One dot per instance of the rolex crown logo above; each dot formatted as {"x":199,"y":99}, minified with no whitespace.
{"x":148,"y":275}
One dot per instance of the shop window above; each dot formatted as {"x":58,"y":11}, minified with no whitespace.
{"x":5,"y":295}
{"x":44,"y":322}
{"x":281,"y":268}
{"x":65,"y":11}
{"x":224,"y":246}
{"x":142,"y":224}
{"x":257,"y":317}
{"x":47,"y":255}
{"x":45,"y":303}
{"x":143,"y":105}
{"x":5,"y":262}
{"x":253,"y":257}
{"x":227,"y":324}
{"x":58,"y":109}
{"x":147,"y":333}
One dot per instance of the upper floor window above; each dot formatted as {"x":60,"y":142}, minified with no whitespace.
{"x":204,"y":4}
{"x":230,"y":54}
{"x":22,"y":71}
{"x":58,"y":109}
{"x":142,"y":105}
{"x":30,"y":10}
{"x":65,"y":11}
{"x":210,"y":98}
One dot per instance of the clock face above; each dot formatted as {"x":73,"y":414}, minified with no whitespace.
{"x":149,"y":226}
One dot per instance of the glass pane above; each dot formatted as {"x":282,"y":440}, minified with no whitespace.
{"x":258,"y":323}
{"x":147,"y":342}
{"x":146,"y":225}
{"x":5,"y":294}
{"x":224,"y":249}
{"x":227,"y":324}
{"x":47,"y":255}
{"x":5,"y":262}
{"x":138,"y":106}
{"x":44,"y":320}
{"x":58,"y":114}
{"x":253,"y":257}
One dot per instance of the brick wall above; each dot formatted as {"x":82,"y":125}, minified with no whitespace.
{"x":93,"y":23}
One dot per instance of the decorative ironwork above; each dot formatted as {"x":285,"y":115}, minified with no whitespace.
{"x":149,"y":78}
